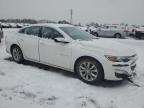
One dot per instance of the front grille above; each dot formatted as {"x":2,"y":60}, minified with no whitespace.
{"x":123,"y":76}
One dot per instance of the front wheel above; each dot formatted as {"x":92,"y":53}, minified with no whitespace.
{"x":89,"y":70}
{"x":17,"y":54}
{"x":117,"y":35}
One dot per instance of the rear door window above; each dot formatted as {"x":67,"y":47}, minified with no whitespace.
{"x":34,"y":30}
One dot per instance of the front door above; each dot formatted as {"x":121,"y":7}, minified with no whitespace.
{"x":54,"y":53}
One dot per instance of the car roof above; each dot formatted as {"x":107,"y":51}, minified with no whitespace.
{"x":52,"y":25}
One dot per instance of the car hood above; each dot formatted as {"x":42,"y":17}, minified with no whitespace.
{"x":107,"y":47}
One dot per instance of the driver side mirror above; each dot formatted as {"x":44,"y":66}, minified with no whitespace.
{"x":61,"y":40}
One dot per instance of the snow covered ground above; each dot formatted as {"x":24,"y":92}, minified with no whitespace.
{"x":31,"y":85}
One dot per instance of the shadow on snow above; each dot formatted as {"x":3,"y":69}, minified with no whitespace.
{"x":104,"y":83}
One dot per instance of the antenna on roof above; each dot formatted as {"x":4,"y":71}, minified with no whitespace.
{"x":71,"y":16}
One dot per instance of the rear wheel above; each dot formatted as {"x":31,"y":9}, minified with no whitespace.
{"x":89,"y":70}
{"x":117,"y":35}
{"x":17,"y":54}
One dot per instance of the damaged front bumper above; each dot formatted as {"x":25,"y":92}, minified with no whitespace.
{"x":125,"y":76}
{"x":126,"y":70}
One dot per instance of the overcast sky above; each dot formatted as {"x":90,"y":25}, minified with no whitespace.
{"x":101,"y":11}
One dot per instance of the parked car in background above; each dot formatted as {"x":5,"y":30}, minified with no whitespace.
{"x":108,"y":31}
{"x":19,"y":25}
{"x":130,"y":30}
{"x":83,"y":28}
{"x":13,"y":25}
{"x":1,"y":33}
{"x":5,"y":25}
{"x":139,"y":33}
{"x":67,"y":47}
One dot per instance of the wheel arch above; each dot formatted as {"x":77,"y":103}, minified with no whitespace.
{"x":13,"y":45}
{"x":21,"y":59}
{"x":83,"y":57}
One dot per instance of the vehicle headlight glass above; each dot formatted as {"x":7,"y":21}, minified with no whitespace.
{"x":118,"y":58}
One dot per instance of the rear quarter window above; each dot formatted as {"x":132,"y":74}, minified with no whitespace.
{"x":34,"y":30}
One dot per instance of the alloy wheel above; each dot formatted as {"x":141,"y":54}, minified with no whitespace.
{"x":17,"y":55}
{"x":88,"y":71}
{"x":117,"y":36}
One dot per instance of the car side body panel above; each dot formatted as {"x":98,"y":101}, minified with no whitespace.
{"x":65,"y":55}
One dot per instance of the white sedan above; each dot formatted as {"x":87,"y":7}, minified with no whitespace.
{"x":67,"y":47}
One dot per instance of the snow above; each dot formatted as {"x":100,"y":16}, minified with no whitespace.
{"x":31,"y":85}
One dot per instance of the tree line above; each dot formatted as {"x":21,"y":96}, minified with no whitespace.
{"x":30,"y":21}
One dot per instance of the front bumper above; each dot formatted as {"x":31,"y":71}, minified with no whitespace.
{"x":125,"y":75}
{"x":125,"y":70}
{"x":120,"y":70}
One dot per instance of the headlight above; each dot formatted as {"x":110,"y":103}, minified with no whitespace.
{"x":118,"y":58}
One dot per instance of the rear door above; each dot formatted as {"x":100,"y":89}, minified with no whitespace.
{"x":106,"y":31}
{"x":109,"y":32}
{"x":28,"y":39}
{"x":101,"y":31}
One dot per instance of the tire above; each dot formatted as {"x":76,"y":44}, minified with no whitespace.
{"x":96,"y":34}
{"x":87,"y":75}
{"x":117,"y":35}
{"x":17,"y":54}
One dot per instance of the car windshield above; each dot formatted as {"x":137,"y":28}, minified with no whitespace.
{"x":77,"y":34}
